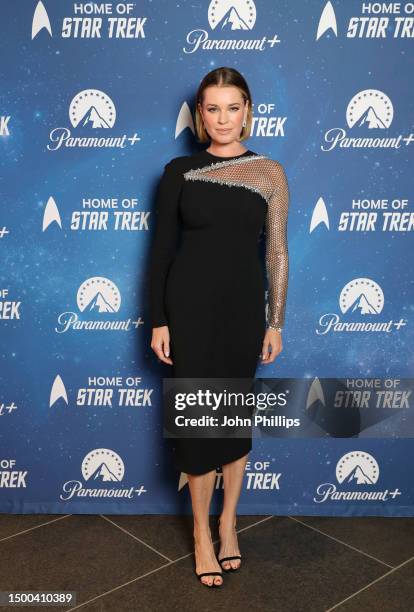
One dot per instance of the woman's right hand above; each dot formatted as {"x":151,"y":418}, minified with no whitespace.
{"x":160,"y":343}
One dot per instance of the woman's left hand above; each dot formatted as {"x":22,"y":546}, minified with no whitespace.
{"x":272,"y":345}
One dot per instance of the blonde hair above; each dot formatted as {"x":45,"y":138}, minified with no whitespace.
{"x":223,"y":77}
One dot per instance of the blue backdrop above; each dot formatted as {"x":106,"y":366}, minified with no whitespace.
{"x":95,"y":99}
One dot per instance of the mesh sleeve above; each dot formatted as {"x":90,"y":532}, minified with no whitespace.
{"x":277,"y":261}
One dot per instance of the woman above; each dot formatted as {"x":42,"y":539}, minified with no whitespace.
{"x":208,"y":296}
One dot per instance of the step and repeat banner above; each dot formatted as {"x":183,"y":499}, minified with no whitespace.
{"x":95,"y":98}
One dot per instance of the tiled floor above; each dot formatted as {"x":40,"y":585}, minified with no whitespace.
{"x":130,"y":563}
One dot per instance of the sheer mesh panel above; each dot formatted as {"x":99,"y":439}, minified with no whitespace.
{"x":277,"y":260}
{"x":266,"y":177}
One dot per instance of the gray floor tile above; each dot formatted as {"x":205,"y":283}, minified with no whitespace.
{"x":171,"y":535}
{"x":11,"y":524}
{"x":393,"y":593}
{"x":83,"y":553}
{"x":387,"y":538}
{"x":286,"y":567}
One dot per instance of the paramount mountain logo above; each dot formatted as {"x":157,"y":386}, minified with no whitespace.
{"x":355,"y":469}
{"x":358,"y":476}
{"x":232,"y":16}
{"x":370,"y":119}
{"x":98,"y":295}
{"x":90,"y":110}
{"x":362,"y":305}
{"x":103,"y":474}
{"x":229,"y":17}
{"x":99,"y":303}
{"x":93,"y":119}
{"x":105,"y":470}
{"x":368,"y":110}
{"x":361,"y":297}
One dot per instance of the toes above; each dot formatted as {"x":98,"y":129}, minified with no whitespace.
{"x":218,"y":580}
{"x":207,"y":581}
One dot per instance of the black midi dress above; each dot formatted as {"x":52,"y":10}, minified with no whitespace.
{"x":207,"y":278}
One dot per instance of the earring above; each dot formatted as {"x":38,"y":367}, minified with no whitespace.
{"x":244,"y":123}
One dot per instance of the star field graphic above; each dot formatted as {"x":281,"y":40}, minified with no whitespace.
{"x":76,"y":225}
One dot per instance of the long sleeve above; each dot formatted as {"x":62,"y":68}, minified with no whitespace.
{"x":165,"y":240}
{"x":277,"y":260}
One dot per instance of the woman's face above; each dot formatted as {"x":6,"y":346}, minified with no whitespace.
{"x":223,"y":112}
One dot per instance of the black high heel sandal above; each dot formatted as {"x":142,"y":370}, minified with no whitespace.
{"x":212,"y":573}
{"x":213,"y":584}
{"x":228,"y":569}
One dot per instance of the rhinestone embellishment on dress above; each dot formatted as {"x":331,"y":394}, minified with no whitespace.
{"x":267,"y":178}
{"x":199,"y":174}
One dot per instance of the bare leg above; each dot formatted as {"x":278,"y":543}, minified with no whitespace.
{"x":233,"y":474}
{"x":201,"y":489}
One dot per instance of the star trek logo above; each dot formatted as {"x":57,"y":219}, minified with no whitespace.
{"x":367,"y":215}
{"x":319,"y":216}
{"x":327,"y":21}
{"x":58,"y":391}
{"x":108,"y":391}
{"x":4,"y":126}
{"x":40,"y":20}
{"x":10,"y":477}
{"x":184,"y":120}
{"x":9,"y":309}
{"x":100,"y":214}
{"x":93,"y":20}
{"x":378,"y":20}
